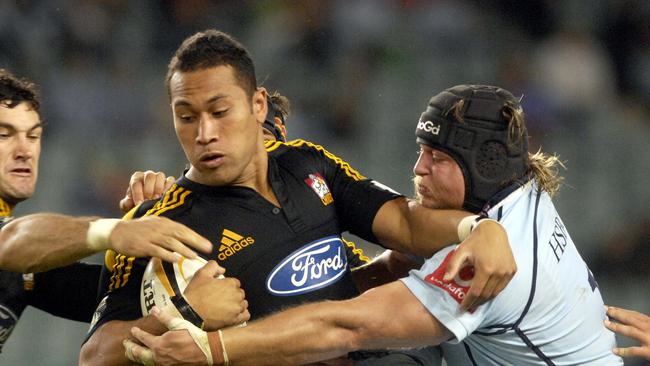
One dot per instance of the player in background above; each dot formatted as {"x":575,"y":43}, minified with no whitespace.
{"x":39,"y":242}
{"x":43,"y":241}
{"x":473,"y":154}
{"x":218,"y":110}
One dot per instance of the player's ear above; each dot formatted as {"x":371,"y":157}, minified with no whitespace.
{"x":260,"y":107}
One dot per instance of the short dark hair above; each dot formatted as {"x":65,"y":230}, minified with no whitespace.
{"x":212,"y":48}
{"x":14,"y":91}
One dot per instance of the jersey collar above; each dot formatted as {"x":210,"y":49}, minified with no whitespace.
{"x":5,"y":208}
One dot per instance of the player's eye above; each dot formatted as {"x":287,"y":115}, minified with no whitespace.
{"x":220,"y":113}
{"x":186,"y":117}
{"x":34,"y":135}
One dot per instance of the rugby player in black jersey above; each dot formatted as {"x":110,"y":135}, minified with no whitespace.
{"x":388,"y":266}
{"x":40,"y":242}
{"x":301,"y":195}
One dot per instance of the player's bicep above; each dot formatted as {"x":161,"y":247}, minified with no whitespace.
{"x":396,"y":318}
{"x":390,"y":225}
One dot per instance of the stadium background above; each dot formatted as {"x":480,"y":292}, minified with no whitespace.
{"x":358,"y":74}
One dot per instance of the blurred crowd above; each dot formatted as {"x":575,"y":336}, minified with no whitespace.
{"x":358,"y":74}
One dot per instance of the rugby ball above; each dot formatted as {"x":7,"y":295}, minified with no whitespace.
{"x":162,"y":280}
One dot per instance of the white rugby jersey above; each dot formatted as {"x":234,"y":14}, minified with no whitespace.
{"x":551,"y":313}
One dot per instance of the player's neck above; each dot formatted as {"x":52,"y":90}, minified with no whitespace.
{"x":259,"y":180}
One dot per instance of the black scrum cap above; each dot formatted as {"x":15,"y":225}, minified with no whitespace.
{"x":479,"y":143}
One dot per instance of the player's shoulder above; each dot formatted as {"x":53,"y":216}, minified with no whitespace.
{"x":301,"y":148}
{"x":174,"y":199}
{"x":294,"y":152}
{"x":139,"y":210}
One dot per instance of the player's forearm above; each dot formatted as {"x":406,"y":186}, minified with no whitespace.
{"x":432,"y":229}
{"x":387,"y":267}
{"x":384,"y":317}
{"x":298,"y":336}
{"x":408,"y":227}
{"x":40,"y":242}
{"x":105,"y":348}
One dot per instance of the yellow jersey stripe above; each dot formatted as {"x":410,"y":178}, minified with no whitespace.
{"x":5,"y":208}
{"x":127,"y":270}
{"x":272,"y":145}
{"x":356,"y":251}
{"x":111,"y":255}
{"x":179,"y":203}
{"x":170,"y":197}
{"x":109,"y":259}
{"x":173,"y":198}
{"x":117,"y":272}
{"x":349,"y":171}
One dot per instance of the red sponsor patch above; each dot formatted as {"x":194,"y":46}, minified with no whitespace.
{"x":458,"y":286}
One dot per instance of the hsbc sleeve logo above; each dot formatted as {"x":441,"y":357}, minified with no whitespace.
{"x":457,"y":288}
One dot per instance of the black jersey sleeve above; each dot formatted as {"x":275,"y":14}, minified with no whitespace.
{"x":69,"y":292}
{"x":122,"y":302}
{"x":356,"y":197}
{"x":12,"y":303}
{"x":119,"y":284}
{"x":13,"y":300}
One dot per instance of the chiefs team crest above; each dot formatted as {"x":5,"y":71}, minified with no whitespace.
{"x":457,"y":287}
{"x":317,"y":183}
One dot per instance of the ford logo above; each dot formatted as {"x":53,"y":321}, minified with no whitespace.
{"x":316,"y":265}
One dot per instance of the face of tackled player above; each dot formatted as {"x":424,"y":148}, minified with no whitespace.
{"x":439,"y":181}
{"x":218,"y":126}
{"x":20,"y":148}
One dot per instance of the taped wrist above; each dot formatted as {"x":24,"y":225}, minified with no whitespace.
{"x":481,"y":220}
{"x":468,"y":224}
{"x":186,"y":310}
{"x":99,"y":232}
{"x":200,"y":338}
{"x":218,"y":349}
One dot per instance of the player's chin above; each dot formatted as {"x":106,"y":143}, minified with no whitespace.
{"x":434,"y":203}
{"x":21,"y":192}
{"x":426,"y":200}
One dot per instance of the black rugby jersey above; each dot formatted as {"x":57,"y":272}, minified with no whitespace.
{"x":282,"y":256}
{"x":69,"y":292}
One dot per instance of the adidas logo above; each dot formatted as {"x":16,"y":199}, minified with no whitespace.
{"x":231,"y":243}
